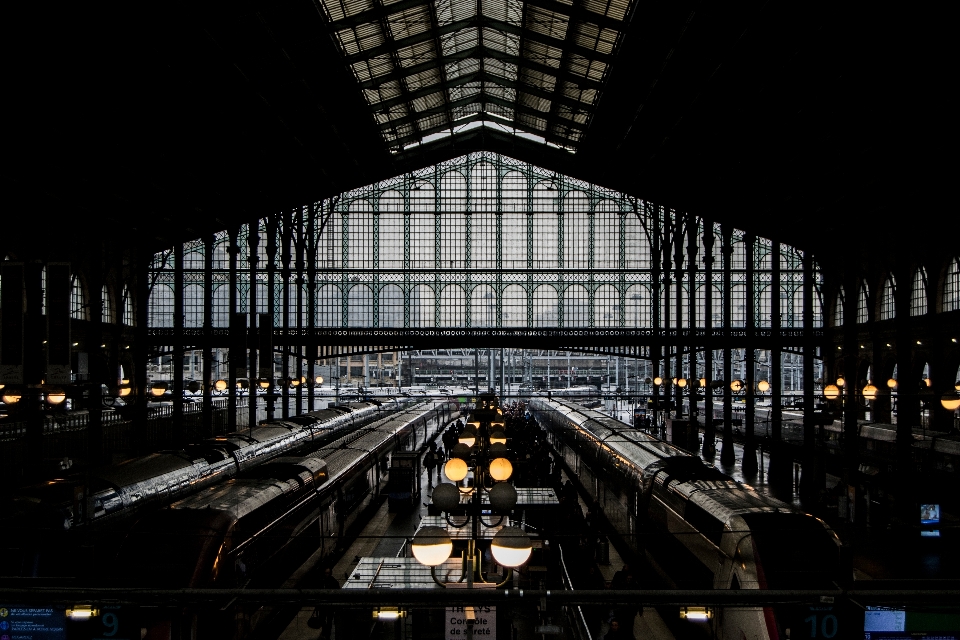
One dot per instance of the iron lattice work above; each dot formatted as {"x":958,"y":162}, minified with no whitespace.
{"x":485,"y":241}
{"x":428,"y":67}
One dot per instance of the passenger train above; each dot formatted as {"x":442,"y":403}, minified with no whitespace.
{"x":698,"y":528}
{"x":104,"y":496}
{"x":234,"y":533}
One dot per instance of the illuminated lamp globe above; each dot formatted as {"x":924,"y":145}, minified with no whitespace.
{"x":303,"y":379}
{"x":124,"y":390}
{"x":736,"y":385}
{"x":841,"y":381}
{"x":446,"y":496}
{"x":158,"y":389}
{"x":681,"y":382}
{"x":220,"y":385}
{"x":498,"y":437}
{"x":11,"y":396}
{"x":294,"y":382}
{"x":455,"y":469}
{"x":511,"y":547}
{"x":319,"y":380}
{"x":56,"y":396}
{"x":501,"y":469}
{"x":658,"y":381}
{"x":956,"y":386}
{"x":831,"y":392}
{"x":950,"y":401}
{"x":703,"y":383}
{"x":264,"y":383}
{"x":870,"y":392}
{"x":431,"y":546}
{"x":763,"y":386}
{"x":926,"y":382}
{"x":467,"y":437}
{"x":503,"y":497}
{"x":892,"y":383}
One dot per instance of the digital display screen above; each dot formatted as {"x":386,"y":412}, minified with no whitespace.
{"x":877,"y":619}
{"x":930,"y":514}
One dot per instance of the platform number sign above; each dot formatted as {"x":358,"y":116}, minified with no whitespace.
{"x":816,"y":622}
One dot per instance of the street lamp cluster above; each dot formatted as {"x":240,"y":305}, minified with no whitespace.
{"x":480,"y":455}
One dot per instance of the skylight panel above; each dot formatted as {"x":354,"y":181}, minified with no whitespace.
{"x":430,"y":101}
{"x":499,"y":67}
{"x":538,"y":79}
{"x":507,"y":43}
{"x":585,"y":67}
{"x":451,"y":43}
{"x":460,"y":68}
{"x":431,"y":122}
{"x":361,"y":38}
{"x":532,"y":122}
{"x":416,"y":54}
{"x":546,"y":22}
{"x":409,"y":22}
{"x":373,"y":67}
{"x":464,"y":91}
{"x":542,"y":53}
{"x":450,"y":11}
{"x":465,"y":110}
{"x":423,"y":80}
{"x":338,"y":10}
{"x":591,"y":36}
{"x":534,"y":102}
{"x":509,"y":11}
{"x":616,"y":9}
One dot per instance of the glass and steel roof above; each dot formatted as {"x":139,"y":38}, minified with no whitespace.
{"x":428,"y":68}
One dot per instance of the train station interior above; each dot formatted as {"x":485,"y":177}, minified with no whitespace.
{"x":644,"y":316}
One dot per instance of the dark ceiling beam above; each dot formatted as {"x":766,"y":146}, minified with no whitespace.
{"x":484,"y":52}
{"x":576,"y":13}
{"x":480,"y":116}
{"x":479,"y":76}
{"x":479,"y":98}
{"x":474,"y":23}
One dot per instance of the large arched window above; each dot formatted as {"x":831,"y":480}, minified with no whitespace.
{"x":129,"y":318}
{"x":106,"y":305}
{"x":514,"y":306}
{"x":78,"y":306}
{"x":391,"y":306}
{"x":483,"y":308}
{"x":951,"y":287}
{"x":606,"y":306}
{"x":888,"y":308}
{"x":161,"y":306}
{"x":918,"y":295}
{"x":863,"y":308}
{"x":838,"y":309}
{"x":576,"y":307}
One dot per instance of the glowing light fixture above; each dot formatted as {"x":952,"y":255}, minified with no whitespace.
{"x":498,"y":437}
{"x":220,"y":385}
{"x":511,"y":547}
{"x":431,"y":546}
{"x":736,"y":385}
{"x":658,"y":381}
{"x":831,"y":392}
{"x":264,"y":383}
{"x":950,"y":401}
{"x":455,"y":469}
{"x":82,"y":612}
{"x":681,"y":382}
{"x":56,"y":396}
{"x":695,"y":614}
{"x":158,"y":389}
{"x":870,"y":392}
{"x":892,"y":383}
{"x":763,"y":386}
{"x":319,"y":380}
{"x":841,"y":381}
{"x":11,"y":396}
{"x":500,"y":469}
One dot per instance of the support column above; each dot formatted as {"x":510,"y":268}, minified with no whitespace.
{"x":693,"y":382}
{"x":207,"y":386}
{"x":811,"y":478}
{"x":141,"y":347}
{"x":780,"y":476}
{"x":709,"y":432}
{"x":749,"y":463}
{"x":907,"y":401}
{"x":176,"y":358}
{"x":285,"y":273}
{"x":727,"y":455}
{"x":238,"y":328}
{"x":266,"y":341}
{"x":253,"y":240}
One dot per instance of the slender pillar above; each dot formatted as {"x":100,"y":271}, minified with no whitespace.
{"x":311,"y":259}
{"x":727,"y":455}
{"x":179,"y":424}
{"x":678,"y":342}
{"x":207,"y":386}
{"x":253,"y":241}
{"x":809,"y":484}
{"x":238,"y":359}
{"x":693,"y":250}
{"x":709,"y":432}
{"x":749,"y":464}
{"x":780,"y":458}
{"x":266,"y":341}
{"x":285,"y":273}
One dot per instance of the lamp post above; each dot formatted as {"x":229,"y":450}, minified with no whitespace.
{"x":482,"y":448}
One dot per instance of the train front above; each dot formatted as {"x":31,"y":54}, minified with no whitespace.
{"x":777,"y":550}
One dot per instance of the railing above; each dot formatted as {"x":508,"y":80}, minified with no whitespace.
{"x":579,"y":620}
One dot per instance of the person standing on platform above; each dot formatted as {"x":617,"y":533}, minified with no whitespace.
{"x":430,"y":462}
{"x":326,"y":612}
